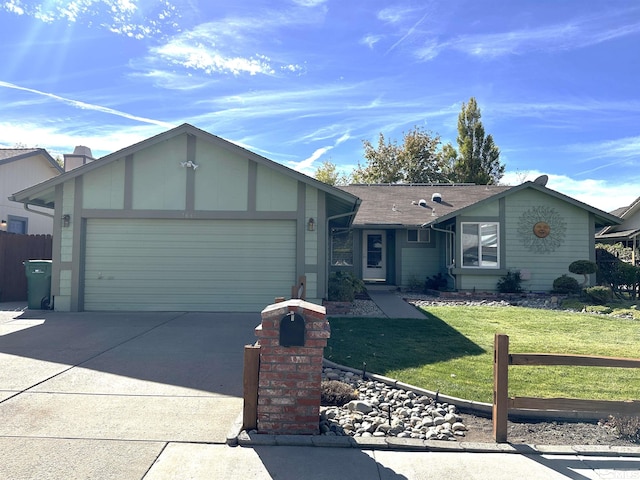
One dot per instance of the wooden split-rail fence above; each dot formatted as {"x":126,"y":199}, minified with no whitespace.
{"x":502,"y":403}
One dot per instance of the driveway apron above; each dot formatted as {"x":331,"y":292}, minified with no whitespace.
{"x":102,"y":394}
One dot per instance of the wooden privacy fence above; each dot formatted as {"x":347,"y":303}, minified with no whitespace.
{"x":502,"y":403}
{"x":14,"y":250}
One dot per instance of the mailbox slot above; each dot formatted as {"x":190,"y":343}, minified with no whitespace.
{"x":292,"y":330}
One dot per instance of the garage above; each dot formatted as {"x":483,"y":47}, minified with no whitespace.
{"x":187,"y":265}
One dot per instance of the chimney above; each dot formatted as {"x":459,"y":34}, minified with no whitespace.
{"x":81,"y":155}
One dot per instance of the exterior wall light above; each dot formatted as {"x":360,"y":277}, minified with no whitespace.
{"x":66,"y":220}
{"x":311,"y":224}
{"x":3,"y":225}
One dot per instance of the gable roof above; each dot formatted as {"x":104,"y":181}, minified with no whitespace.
{"x":623,"y":231}
{"x":400,"y":204}
{"x":9,"y":155}
{"x":43,"y":194}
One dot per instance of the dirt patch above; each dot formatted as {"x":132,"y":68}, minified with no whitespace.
{"x":545,"y":433}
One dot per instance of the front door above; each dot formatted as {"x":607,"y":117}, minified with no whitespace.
{"x":374,"y":256}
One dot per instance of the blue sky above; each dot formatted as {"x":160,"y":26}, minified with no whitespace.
{"x":303,"y":81}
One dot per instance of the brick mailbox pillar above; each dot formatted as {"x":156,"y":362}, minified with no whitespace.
{"x":292,"y":338}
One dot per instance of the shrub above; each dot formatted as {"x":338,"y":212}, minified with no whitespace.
{"x":600,"y":295}
{"x":626,"y":427}
{"x":573,"y":304}
{"x":601,"y":309}
{"x":343,"y":286}
{"x":436,"y":282}
{"x":583,"y":267}
{"x":414,"y":285}
{"x":566,"y":284}
{"x":510,"y":283}
{"x":336,"y":393}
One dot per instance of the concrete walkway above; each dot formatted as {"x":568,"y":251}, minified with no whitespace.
{"x":157,"y":396}
{"x":392,"y":305}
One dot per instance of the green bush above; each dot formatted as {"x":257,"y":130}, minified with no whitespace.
{"x":573,"y":304}
{"x":510,"y":283}
{"x":436,"y":282}
{"x":600,"y":295}
{"x":343,"y":286}
{"x":566,"y":284}
{"x":583,"y":267}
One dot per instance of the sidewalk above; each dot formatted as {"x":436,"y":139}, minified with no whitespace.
{"x":391,"y":304}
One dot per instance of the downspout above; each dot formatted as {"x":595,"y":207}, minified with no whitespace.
{"x":26,"y":207}
{"x":326,"y":264}
{"x":453,"y":238}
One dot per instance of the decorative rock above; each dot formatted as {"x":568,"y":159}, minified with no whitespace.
{"x":359,"y":406}
{"x":385,"y":411}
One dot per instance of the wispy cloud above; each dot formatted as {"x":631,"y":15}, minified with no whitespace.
{"x":602,"y":194}
{"x":237,"y":44}
{"x":124,"y":17}
{"x":572,"y":34}
{"x":307,"y":165}
{"x":85,"y":106}
{"x":59,"y":138}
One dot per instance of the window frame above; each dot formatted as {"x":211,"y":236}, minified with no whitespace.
{"x":347,"y":242}
{"x":425,"y":232}
{"x":483,"y":263}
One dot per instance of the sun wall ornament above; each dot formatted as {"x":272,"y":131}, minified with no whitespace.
{"x":542,"y":229}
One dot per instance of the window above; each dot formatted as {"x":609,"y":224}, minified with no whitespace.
{"x":418,"y":235}
{"x":17,"y":224}
{"x":480,"y":245}
{"x":342,"y":248}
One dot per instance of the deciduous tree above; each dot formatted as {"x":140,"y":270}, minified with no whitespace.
{"x":417,"y":160}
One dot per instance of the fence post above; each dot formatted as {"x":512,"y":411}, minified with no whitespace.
{"x":250,"y":381}
{"x":500,"y":387}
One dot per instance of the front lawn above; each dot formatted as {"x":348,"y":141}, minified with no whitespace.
{"x":452,"y":351}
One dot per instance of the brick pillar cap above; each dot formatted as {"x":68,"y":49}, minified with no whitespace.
{"x":294,"y":303}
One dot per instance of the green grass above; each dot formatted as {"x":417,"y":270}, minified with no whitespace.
{"x":452,"y":351}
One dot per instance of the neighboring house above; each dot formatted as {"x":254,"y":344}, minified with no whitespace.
{"x":186,"y":221}
{"x":471,"y":234}
{"x":21,"y":168}
{"x":627,"y":233}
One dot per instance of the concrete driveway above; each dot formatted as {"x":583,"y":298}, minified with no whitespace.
{"x":101,"y":395}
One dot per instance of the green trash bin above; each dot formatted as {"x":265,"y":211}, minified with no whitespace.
{"x":38,"y":284}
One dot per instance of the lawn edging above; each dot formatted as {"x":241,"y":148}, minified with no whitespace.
{"x":481,"y":409}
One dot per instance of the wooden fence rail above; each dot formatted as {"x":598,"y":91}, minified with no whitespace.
{"x":502,"y":403}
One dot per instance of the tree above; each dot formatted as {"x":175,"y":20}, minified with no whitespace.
{"x":417,"y":160}
{"x":478,"y":158}
{"x":328,"y":173}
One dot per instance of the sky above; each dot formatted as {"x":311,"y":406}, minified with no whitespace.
{"x":306,"y":81}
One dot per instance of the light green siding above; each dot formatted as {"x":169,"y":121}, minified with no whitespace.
{"x":311,"y":238}
{"x":480,"y":283}
{"x":159,"y":181}
{"x":418,"y":264}
{"x":544,"y":267}
{"x":104,"y":188}
{"x":488,"y":209}
{"x":275,"y":191}
{"x":66,"y":234}
{"x":188,"y":265}
{"x":220,"y":179}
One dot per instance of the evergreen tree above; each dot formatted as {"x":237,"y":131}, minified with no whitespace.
{"x":478,"y":158}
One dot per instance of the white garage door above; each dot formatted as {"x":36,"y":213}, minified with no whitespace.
{"x":187,"y":265}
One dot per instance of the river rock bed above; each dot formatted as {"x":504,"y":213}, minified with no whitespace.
{"x":385,"y":411}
